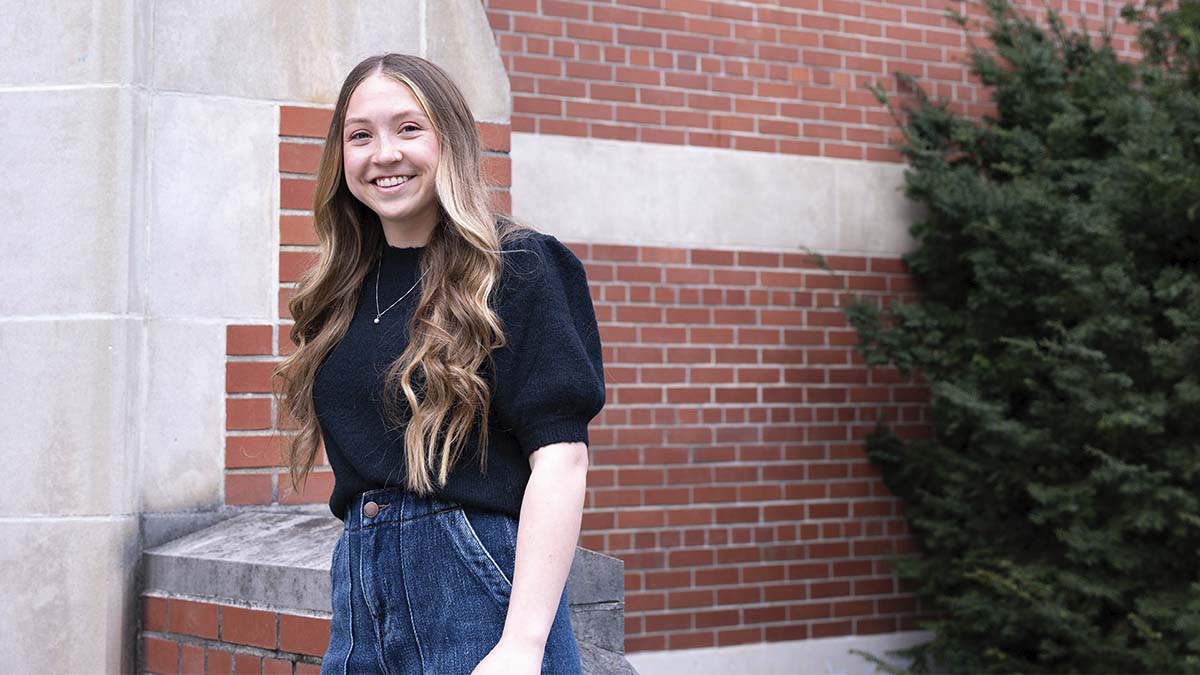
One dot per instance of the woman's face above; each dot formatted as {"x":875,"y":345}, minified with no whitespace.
{"x":387,"y":136}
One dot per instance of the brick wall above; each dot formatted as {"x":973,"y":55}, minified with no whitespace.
{"x":192,"y":636}
{"x":785,"y":76}
{"x":728,"y":470}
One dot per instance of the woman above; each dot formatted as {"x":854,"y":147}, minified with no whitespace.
{"x":449,"y":360}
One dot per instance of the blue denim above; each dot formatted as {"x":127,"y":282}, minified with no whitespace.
{"x":422,"y":588}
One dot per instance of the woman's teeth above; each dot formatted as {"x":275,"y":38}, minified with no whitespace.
{"x":392,"y":181}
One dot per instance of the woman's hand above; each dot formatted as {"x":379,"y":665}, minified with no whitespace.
{"x":511,"y":658}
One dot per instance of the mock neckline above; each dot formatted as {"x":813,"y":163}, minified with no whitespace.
{"x":401,"y":253}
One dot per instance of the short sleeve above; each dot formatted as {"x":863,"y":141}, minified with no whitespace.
{"x":549,"y":377}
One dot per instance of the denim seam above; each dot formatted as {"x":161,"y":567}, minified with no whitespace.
{"x":349,"y":602}
{"x":371,"y":609}
{"x":471,"y":529}
{"x":404,"y":583}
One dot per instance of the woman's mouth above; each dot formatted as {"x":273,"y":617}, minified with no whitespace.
{"x":391,"y":184}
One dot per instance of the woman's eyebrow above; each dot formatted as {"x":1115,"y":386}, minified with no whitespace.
{"x":403,"y":113}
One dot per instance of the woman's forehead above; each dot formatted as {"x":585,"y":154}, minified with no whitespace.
{"x":382,"y":96}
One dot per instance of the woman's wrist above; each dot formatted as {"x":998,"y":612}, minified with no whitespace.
{"x":524,"y":638}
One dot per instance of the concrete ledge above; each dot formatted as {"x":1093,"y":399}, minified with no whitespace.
{"x":275,"y":559}
{"x":279,"y":559}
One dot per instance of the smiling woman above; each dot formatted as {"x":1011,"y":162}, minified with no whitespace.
{"x":432,"y":331}
{"x":390,"y":156}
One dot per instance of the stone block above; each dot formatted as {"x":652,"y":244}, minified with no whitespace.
{"x":67,"y":212}
{"x":214,"y":205}
{"x":70,"y":389}
{"x":70,"y":596}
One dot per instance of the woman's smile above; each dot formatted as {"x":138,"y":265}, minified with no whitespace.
{"x":389,"y":186}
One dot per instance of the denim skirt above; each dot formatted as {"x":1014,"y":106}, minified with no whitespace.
{"x":421,"y":585}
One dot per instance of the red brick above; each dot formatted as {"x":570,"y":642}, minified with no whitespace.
{"x":494,"y":137}
{"x":248,"y":377}
{"x":882,"y":586}
{"x":244,"y":626}
{"x":302,"y":121}
{"x":246,"y":452}
{"x":689,"y":598}
{"x":737,"y":636}
{"x":294,"y":263}
{"x":642,"y":602}
{"x":768,"y":614}
{"x":299,"y":157}
{"x":248,"y":488}
{"x":690,"y":640}
{"x":718,"y":618}
{"x":668,"y":579}
{"x":247,"y":413}
{"x":532,"y":24}
{"x":296,"y":193}
{"x":247,"y":663}
{"x":787,"y":632}
{"x":247,"y":340}
{"x":161,"y":656}
{"x":297,"y":230}
{"x":820,"y":630}
{"x":316,"y":488}
{"x":220,"y":661}
{"x":191,"y":659}
{"x":303,"y":635}
{"x":154,"y":613}
{"x":192,"y":618}
{"x":679,"y":621}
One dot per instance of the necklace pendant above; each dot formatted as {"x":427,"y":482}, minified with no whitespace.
{"x":376,"y":319}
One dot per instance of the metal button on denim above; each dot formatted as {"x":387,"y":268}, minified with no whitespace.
{"x":370,"y":509}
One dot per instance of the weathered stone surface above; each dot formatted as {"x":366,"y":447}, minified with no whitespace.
{"x":601,"y":623}
{"x":596,"y":577}
{"x":66,"y":416}
{"x":597,"y":661}
{"x":66,"y":582}
{"x":278,"y":559}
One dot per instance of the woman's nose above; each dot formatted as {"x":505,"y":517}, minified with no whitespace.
{"x":388,"y":151}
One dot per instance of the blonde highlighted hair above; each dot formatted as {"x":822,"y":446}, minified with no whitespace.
{"x":434,"y":387}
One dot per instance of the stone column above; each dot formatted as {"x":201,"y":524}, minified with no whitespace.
{"x":140,"y":210}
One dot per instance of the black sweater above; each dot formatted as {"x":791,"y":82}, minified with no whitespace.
{"x":547,"y":385}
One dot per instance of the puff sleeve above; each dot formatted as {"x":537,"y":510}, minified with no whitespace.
{"x":549,"y":377}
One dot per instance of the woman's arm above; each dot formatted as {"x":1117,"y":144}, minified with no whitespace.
{"x":551,"y":512}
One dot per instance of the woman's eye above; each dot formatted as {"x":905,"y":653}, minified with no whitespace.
{"x":354,"y":136}
{"x":410,"y":126}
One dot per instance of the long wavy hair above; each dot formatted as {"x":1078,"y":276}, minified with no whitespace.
{"x":433,"y":388}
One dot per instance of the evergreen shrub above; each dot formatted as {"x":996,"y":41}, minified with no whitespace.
{"x":1057,"y":502}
